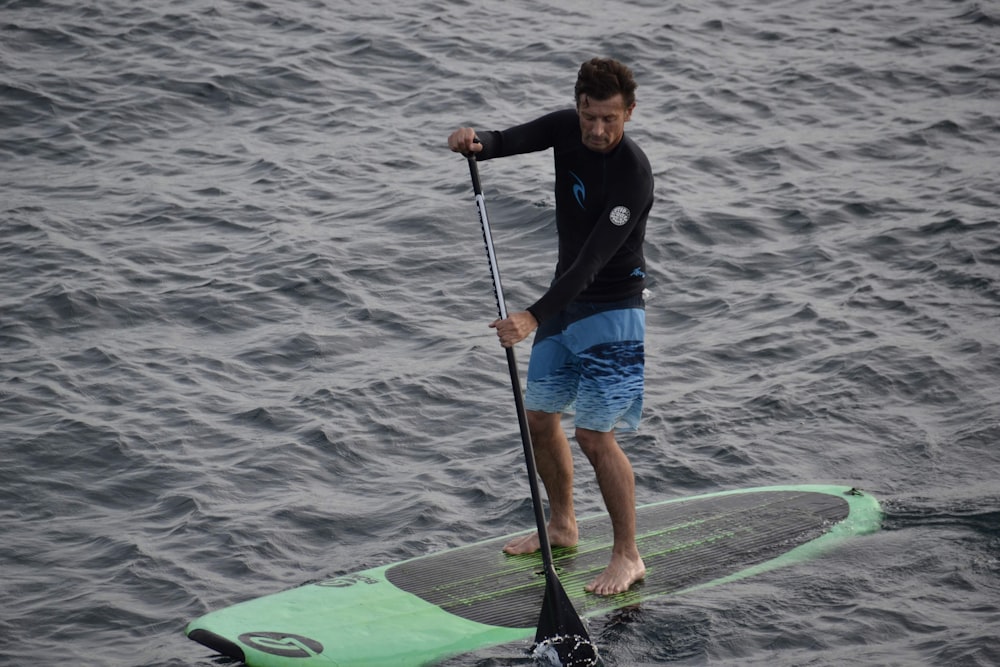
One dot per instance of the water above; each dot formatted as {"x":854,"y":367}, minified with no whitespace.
{"x":244,"y":307}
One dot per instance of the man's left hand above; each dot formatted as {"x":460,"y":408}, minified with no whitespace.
{"x":515,"y":328}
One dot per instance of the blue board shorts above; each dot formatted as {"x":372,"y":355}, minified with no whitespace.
{"x":589,"y":360}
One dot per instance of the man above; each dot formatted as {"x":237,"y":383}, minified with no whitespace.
{"x":588,"y":351}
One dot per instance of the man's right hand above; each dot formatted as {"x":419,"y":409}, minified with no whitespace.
{"x":463,"y":140}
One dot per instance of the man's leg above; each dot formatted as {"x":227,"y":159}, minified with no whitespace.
{"x":554,"y":461}
{"x":617,"y":482}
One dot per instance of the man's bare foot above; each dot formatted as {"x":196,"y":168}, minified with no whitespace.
{"x":529,"y":544}
{"x":618,"y":576}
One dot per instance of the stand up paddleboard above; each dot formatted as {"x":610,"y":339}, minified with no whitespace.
{"x":426,"y":609}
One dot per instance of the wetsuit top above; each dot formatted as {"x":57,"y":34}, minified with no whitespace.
{"x":602,"y":202}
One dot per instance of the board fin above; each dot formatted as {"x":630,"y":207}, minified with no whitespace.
{"x":217,"y":643}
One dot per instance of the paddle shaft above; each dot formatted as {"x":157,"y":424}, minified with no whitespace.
{"x":522,"y":417}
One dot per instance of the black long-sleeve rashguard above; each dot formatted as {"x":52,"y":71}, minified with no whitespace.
{"x":602,"y":202}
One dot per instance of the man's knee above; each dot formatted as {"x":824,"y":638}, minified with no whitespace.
{"x":595,"y":443}
{"x":543,"y":425}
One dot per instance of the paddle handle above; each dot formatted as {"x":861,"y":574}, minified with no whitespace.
{"x":522,"y":416}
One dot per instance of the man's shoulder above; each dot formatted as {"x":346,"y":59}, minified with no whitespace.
{"x":631,"y":151}
{"x":564,"y":120}
{"x":632,"y":160}
{"x":565,"y":115}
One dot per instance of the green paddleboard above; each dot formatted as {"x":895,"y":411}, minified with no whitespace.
{"x":425,"y":609}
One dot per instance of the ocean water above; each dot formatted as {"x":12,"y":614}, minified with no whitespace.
{"x":244,"y":307}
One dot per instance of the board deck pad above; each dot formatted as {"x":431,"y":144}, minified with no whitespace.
{"x":432,"y":607}
{"x":679,"y":542}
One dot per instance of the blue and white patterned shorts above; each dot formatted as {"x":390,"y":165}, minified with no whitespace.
{"x":589,"y":360}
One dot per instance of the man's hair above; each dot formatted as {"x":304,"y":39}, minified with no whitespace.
{"x":603,"y":78}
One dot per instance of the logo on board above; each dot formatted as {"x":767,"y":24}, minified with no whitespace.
{"x":282,"y":644}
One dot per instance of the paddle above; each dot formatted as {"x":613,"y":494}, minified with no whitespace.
{"x":561,"y":636}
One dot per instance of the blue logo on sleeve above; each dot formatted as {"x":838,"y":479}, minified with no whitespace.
{"x":579,"y":191}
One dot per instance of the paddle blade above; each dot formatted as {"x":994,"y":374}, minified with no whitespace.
{"x":562,"y":639}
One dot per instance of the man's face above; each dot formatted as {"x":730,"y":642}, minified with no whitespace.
{"x":602,"y":122}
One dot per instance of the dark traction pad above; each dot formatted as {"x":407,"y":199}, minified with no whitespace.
{"x":683,"y":543}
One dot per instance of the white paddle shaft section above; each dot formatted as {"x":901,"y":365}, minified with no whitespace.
{"x":491,"y":253}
